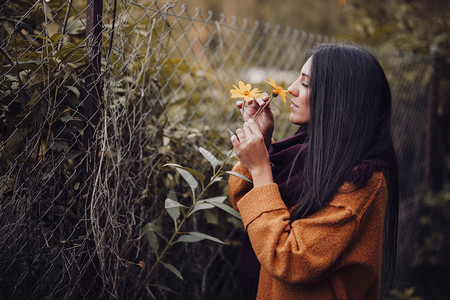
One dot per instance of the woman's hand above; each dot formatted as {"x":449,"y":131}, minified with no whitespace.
{"x":252,"y":152}
{"x":265,"y":119}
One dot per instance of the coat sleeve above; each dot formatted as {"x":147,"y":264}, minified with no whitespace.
{"x":302,"y":251}
{"x":238,"y":187}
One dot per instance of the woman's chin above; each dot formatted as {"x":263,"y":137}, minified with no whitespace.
{"x":297,"y":121}
{"x":293,"y":119}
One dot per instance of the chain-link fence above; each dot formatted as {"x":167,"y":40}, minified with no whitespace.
{"x":95,"y":99}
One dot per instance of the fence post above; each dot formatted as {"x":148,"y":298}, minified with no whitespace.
{"x":431,"y":169}
{"x":91,"y":285}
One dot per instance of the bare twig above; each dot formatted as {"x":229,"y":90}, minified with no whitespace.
{"x":64,"y":27}
{"x":111,"y":35}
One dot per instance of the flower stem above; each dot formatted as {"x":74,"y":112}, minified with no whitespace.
{"x":260,"y":110}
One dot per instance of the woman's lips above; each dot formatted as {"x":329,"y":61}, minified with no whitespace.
{"x":293,"y":105}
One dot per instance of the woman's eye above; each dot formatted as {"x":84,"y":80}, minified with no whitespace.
{"x":305,"y":84}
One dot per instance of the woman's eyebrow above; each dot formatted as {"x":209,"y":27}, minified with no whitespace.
{"x":306,"y":75}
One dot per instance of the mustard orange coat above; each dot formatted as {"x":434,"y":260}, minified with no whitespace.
{"x":334,"y":253}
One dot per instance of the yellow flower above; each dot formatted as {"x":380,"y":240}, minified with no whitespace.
{"x":278,"y":90}
{"x":245,"y":91}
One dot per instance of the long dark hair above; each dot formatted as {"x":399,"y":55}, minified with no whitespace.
{"x":350,"y":122}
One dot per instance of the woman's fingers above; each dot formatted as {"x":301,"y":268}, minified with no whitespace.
{"x":254,"y":128}
{"x":249,"y":143}
{"x":260,"y":101}
{"x":264,"y":98}
{"x":240,"y":134}
{"x":249,"y":132}
{"x":235,"y":141}
{"x":243,"y":135}
{"x":240,"y":106}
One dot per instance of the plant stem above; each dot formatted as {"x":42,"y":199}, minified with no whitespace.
{"x":259,"y":111}
{"x":160,"y":256}
{"x":178,"y":227}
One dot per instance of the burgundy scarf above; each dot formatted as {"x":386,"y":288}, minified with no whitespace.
{"x":287,"y":171}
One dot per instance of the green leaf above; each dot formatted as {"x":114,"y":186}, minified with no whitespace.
{"x":169,"y":203}
{"x":231,"y":153}
{"x":60,"y":146}
{"x":201,"y":206}
{"x":215,"y":148}
{"x":34,"y":99}
{"x":192,"y":237}
{"x":152,"y":240}
{"x":173,"y":208}
{"x":150,"y":231}
{"x":173,"y":270}
{"x":217,"y":179}
{"x":74,"y":90}
{"x":186,"y":174}
{"x":164,"y":288}
{"x":231,"y":133}
{"x":75,"y":26}
{"x":56,"y":37}
{"x":66,"y":119}
{"x":74,"y":154}
{"x":172,"y":195}
{"x":220,"y":199}
{"x":209,"y":156}
{"x":48,"y":11}
{"x":189,"y":239}
{"x":14,"y":142}
{"x":224,"y":207}
{"x":238,"y":175}
{"x":157,"y":229}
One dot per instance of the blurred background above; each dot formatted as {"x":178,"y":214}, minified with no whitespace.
{"x":97,"y":96}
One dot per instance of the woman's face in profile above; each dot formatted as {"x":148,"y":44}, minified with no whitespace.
{"x":301,"y":92}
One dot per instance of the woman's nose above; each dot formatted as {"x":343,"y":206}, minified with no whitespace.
{"x":292,"y":90}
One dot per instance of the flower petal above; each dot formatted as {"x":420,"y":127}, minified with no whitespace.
{"x":270,"y":83}
{"x":284,"y":95}
{"x":237,"y":96}
{"x":241,"y":86}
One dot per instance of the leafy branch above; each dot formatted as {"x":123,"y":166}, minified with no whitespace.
{"x":173,"y":208}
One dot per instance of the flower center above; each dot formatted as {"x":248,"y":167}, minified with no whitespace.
{"x":276,"y":92}
{"x":246,"y":93}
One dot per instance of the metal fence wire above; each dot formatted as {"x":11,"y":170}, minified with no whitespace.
{"x":96,"y":98}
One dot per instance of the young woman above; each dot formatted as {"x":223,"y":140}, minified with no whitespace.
{"x":316,"y":209}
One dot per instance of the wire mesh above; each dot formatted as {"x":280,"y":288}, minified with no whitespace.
{"x":81,"y":179}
